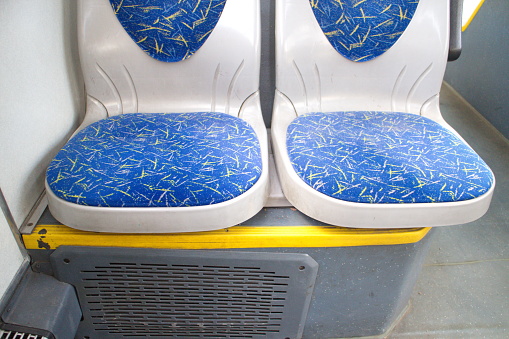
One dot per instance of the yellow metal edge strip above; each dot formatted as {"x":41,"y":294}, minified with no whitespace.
{"x":465,"y":26}
{"x":53,"y":236}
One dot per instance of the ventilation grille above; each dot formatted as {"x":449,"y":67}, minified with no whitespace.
{"x":19,"y":335}
{"x":215,"y":295}
{"x":183,"y":300}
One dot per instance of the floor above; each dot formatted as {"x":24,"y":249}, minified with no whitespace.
{"x":463,"y":289}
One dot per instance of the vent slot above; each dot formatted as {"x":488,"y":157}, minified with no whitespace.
{"x":181,"y":296}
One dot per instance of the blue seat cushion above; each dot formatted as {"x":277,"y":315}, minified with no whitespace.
{"x":362,"y":30}
{"x":384,"y":157}
{"x":168,"y":30}
{"x":157,"y":160}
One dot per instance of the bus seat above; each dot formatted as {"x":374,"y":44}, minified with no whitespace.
{"x":173,"y":138}
{"x":358,"y":137}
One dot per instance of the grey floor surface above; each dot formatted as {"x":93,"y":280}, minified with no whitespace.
{"x":463,"y":289}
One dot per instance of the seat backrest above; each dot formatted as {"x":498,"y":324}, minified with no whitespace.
{"x":389,"y":56}
{"x":168,"y":56}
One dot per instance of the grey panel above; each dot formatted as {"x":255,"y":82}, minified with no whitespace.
{"x":267,"y":57}
{"x":42,"y":305}
{"x":188,"y":294}
{"x":360,"y":291}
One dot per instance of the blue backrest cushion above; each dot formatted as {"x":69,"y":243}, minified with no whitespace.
{"x":168,"y":30}
{"x":362,"y":30}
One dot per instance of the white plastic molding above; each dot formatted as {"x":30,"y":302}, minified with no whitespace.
{"x":312,"y":77}
{"x":222,"y":76}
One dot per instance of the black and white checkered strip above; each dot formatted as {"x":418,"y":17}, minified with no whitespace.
{"x":19,"y":335}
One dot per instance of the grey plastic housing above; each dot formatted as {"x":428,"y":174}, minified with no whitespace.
{"x":133,"y":292}
{"x":43,"y":303}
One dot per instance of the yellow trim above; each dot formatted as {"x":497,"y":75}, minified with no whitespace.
{"x":464,"y":27}
{"x":53,"y":236}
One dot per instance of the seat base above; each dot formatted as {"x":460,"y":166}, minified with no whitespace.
{"x":174,"y":219}
{"x":158,"y":160}
{"x":384,"y":158}
{"x":361,"y":215}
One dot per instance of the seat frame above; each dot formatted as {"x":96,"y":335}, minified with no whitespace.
{"x":312,"y":77}
{"x":222,"y":76}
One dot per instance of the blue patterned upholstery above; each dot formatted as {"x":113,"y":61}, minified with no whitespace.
{"x":381,"y":157}
{"x":157,"y":160}
{"x":361,"y":30}
{"x":168,"y":30}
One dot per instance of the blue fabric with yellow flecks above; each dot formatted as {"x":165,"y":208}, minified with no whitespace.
{"x":361,"y":30}
{"x":168,"y":30}
{"x":384,"y":157}
{"x":157,"y":160}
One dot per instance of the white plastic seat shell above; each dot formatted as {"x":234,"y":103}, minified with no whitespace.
{"x":312,"y":77}
{"x":222,"y":76}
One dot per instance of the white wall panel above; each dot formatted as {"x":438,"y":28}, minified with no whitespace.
{"x":41,"y":93}
{"x":11,"y":257}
